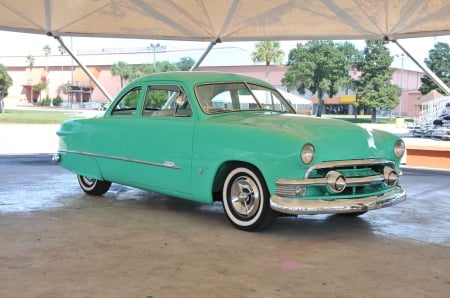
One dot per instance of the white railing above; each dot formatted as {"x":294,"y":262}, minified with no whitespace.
{"x":432,"y":109}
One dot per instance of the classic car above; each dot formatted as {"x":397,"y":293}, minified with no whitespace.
{"x":210,"y":136}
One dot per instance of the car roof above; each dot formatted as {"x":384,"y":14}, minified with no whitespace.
{"x":196,"y":77}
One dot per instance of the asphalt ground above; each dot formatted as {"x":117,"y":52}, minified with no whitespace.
{"x":57,"y":241}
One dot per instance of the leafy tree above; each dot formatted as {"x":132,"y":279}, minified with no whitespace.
{"x":39,"y":87}
{"x":165,"y":66}
{"x":143,"y":70}
{"x":185,"y":63}
{"x":374,"y":89}
{"x":5,"y":83}
{"x":354,"y":58}
{"x":268,"y":52}
{"x":319,"y":66}
{"x":146,"y":69}
{"x":439,"y":63}
{"x":123,"y":70}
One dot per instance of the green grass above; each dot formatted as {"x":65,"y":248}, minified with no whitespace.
{"x":36,"y":117}
{"x":367,"y":119}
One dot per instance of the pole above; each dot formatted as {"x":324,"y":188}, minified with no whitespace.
{"x":88,"y":73}
{"x":401,"y":84}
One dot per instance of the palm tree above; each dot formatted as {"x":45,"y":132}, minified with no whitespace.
{"x":123,"y":70}
{"x":46,"y":49}
{"x":62,"y":51}
{"x":268,"y":52}
{"x":30,"y":60}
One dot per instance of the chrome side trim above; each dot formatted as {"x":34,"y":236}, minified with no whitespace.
{"x":166,"y":164}
{"x":300,"y":207}
{"x":347,"y":163}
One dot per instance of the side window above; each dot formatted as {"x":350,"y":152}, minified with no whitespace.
{"x":166,"y":100}
{"x":128,"y":104}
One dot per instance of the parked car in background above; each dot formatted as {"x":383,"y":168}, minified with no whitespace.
{"x":207,"y":136}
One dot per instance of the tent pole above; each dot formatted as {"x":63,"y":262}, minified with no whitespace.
{"x":200,"y":60}
{"x":89,"y":74}
{"x":425,"y":69}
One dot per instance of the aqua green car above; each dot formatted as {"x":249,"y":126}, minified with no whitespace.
{"x":209,"y":136}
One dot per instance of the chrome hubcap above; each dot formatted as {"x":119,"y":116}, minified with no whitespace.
{"x":245,"y":196}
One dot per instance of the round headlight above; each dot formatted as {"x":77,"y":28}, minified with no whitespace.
{"x":399,"y":148}
{"x":307,"y":154}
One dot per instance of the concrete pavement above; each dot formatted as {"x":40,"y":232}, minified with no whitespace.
{"x":18,"y":139}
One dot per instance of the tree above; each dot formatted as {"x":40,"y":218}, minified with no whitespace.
{"x":185,"y":63}
{"x":38,"y":88}
{"x":30,"y":60}
{"x":62,"y":51}
{"x":165,"y":66}
{"x":5,"y":83}
{"x":46,"y":49}
{"x":439,"y":63}
{"x":353,"y":57}
{"x":143,"y":70}
{"x":123,"y":70}
{"x":318,"y":66}
{"x":268,"y":52}
{"x":147,"y":69}
{"x":374,"y":89}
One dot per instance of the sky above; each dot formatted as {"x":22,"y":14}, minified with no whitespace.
{"x":22,"y":44}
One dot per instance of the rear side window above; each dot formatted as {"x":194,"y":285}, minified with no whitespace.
{"x":128,"y":103}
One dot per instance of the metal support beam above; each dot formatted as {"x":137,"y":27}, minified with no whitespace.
{"x":89,"y":74}
{"x":425,"y":69}
{"x":200,"y":60}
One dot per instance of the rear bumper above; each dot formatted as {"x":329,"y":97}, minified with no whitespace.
{"x":298,"y":207}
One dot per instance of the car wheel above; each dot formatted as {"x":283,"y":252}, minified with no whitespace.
{"x":245,"y":200}
{"x":93,"y":186}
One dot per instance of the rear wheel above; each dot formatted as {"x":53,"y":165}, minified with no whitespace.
{"x":93,"y":186}
{"x":245,"y":199}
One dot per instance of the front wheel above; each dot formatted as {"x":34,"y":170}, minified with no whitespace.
{"x":93,"y":186}
{"x":245,"y":200}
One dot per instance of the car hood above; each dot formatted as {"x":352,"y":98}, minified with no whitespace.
{"x":337,"y":138}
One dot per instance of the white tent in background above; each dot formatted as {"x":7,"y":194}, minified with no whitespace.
{"x":299,"y":103}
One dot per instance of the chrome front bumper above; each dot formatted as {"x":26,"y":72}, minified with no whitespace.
{"x":299,"y":207}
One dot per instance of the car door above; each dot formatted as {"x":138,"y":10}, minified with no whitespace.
{"x":160,"y":142}
{"x":108,"y":136}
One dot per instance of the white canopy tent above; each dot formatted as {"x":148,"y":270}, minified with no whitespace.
{"x":295,"y":99}
{"x":230,"y":20}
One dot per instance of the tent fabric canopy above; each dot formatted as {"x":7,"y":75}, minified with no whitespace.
{"x":229,"y":20}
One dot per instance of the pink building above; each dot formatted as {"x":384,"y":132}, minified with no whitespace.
{"x":62,"y":70}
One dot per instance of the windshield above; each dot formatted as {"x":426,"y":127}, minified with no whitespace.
{"x":226,"y":97}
